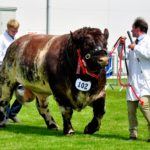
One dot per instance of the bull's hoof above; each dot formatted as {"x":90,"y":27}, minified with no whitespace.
{"x":70,"y":132}
{"x":88,"y":130}
{"x":53,"y":127}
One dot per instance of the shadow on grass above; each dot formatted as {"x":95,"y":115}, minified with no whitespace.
{"x":111,"y":136}
{"x":108,"y":136}
{"x":105,"y":136}
{"x":29,"y":129}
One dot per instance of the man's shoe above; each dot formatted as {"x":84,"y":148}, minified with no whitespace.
{"x":148,"y":140}
{"x":132,"y":138}
{"x":14,"y":119}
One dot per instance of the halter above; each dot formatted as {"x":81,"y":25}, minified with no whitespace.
{"x":82,"y":65}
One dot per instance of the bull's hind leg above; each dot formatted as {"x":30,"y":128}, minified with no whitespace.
{"x":3,"y":115}
{"x":42,"y":106}
{"x":98,"y":110}
{"x":67,"y":115}
{"x":5,"y":97}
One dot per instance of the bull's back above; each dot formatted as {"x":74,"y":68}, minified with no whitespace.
{"x":25,"y":61}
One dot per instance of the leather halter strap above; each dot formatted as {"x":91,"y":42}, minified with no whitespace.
{"x":81,"y":65}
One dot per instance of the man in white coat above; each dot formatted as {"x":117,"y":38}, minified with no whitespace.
{"x":5,"y":40}
{"x":138,"y":56}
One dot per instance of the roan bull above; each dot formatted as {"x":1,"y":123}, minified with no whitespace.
{"x":69,"y":66}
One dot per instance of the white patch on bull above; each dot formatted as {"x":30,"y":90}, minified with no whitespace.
{"x":41,"y":54}
{"x":5,"y":92}
{"x":83,"y":99}
{"x":40,"y":72}
{"x":69,"y":94}
{"x":99,"y":94}
{"x":82,"y":85}
{"x":62,"y":109}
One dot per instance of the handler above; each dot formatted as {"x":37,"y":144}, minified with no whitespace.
{"x":138,"y":56}
{"x":5,"y":40}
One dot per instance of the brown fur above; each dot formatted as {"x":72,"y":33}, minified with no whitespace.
{"x":48,"y":64}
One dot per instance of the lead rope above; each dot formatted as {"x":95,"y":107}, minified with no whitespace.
{"x":120,"y":67}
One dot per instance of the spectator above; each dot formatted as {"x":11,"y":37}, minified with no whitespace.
{"x":5,"y":40}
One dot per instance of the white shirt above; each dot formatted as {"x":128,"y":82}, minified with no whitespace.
{"x":139,"y":72}
{"x":5,"y":41}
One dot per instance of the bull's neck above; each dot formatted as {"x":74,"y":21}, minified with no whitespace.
{"x":71,"y":60}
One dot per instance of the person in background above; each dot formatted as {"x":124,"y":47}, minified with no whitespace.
{"x":5,"y":40}
{"x":138,"y":57}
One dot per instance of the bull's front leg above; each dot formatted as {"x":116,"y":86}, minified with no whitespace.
{"x":67,"y":115}
{"x":42,"y":106}
{"x":98,"y":110}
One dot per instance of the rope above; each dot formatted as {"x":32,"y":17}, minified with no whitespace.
{"x":125,"y":85}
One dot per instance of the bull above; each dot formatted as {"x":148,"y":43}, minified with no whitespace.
{"x":71,"y":67}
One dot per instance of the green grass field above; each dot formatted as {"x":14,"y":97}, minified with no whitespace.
{"x":31,"y":133}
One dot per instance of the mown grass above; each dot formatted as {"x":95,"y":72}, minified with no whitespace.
{"x":31,"y":133}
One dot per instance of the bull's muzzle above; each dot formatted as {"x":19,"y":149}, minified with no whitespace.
{"x":103,"y":61}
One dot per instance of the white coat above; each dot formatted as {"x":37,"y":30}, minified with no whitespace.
{"x":139,"y":72}
{"x":5,"y":41}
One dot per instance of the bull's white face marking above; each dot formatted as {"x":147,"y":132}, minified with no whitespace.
{"x":83,"y":85}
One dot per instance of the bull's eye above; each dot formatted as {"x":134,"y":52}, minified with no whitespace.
{"x":87,"y":56}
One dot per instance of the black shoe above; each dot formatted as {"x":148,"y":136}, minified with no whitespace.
{"x":132,"y":138}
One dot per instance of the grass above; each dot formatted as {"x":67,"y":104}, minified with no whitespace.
{"x":31,"y":133}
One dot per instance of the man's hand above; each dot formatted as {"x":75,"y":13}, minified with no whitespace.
{"x":131,"y":46}
{"x":122,"y":39}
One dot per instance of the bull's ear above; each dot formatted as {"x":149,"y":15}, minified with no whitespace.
{"x":106,"y":33}
{"x":74,"y":37}
{"x":77,"y":37}
{"x":71,"y":35}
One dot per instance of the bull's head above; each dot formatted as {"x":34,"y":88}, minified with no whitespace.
{"x":93,"y":46}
